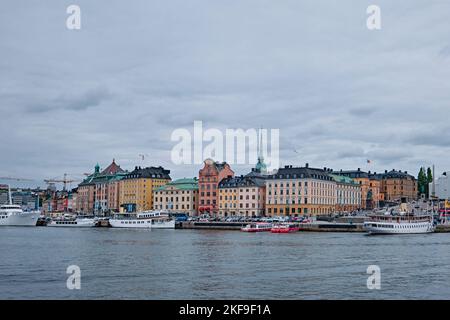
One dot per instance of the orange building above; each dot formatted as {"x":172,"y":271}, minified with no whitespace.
{"x":397,"y":184}
{"x":370,"y":186}
{"x":209,"y":177}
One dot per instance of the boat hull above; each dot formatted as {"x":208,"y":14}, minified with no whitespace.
{"x":23,"y":219}
{"x":85,"y":223}
{"x":398,"y":228}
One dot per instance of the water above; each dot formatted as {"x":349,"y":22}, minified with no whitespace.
{"x":197,"y":264}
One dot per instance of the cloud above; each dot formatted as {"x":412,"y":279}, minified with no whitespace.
{"x":117,"y":88}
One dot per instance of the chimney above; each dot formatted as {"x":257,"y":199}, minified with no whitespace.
{"x":359,"y":169}
{"x":307,"y":165}
{"x":385,"y":171}
{"x":369,"y":172}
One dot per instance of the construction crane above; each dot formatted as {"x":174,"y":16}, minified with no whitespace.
{"x":65,"y":181}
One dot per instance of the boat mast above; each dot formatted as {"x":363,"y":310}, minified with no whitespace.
{"x":9,"y":194}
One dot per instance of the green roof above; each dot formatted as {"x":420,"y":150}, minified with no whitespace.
{"x":181,"y":184}
{"x":343,"y":179}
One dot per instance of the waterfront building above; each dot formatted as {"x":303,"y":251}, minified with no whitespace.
{"x":348,"y":194}
{"x":397,"y":184}
{"x":441,"y":186}
{"x":179,"y":196}
{"x":298,"y":191}
{"x":370,"y":185}
{"x":242,"y":196}
{"x":136,"y":188}
{"x":209,"y":177}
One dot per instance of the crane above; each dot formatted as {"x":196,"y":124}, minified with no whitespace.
{"x":9,"y":186}
{"x":65,"y":181}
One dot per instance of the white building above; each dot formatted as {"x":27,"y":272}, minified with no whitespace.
{"x":442,"y":186}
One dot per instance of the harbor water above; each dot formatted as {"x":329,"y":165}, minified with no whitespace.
{"x":214,"y":264}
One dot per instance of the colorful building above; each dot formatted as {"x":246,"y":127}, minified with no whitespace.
{"x":370,"y":186}
{"x":397,"y":184}
{"x":348,"y":194}
{"x":242,"y":196}
{"x":99,"y":192}
{"x":136,"y":188}
{"x":298,"y":191}
{"x":179,"y":196}
{"x":209,"y":177}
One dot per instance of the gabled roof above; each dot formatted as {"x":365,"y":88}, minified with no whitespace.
{"x":149,"y":172}
{"x":113,"y":168}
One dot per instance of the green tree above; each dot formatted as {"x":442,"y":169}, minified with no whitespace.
{"x":421,"y":181}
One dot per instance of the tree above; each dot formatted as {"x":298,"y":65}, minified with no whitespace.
{"x":421,"y":181}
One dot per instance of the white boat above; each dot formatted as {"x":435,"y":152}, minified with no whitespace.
{"x":401,"y":223}
{"x":78,"y":223}
{"x":13,"y":215}
{"x":257,"y":227}
{"x":144,"y":220}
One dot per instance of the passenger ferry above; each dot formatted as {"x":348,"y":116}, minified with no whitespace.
{"x":285,"y":228}
{"x":257,"y":227}
{"x":403,"y":222}
{"x":13,"y":215}
{"x":144,"y":220}
{"x":79,"y":222}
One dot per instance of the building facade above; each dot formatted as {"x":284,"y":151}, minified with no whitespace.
{"x":209,"y":177}
{"x":179,"y":196}
{"x":300,"y":191}
{"x":348,"y":194}
{"x":396,"y":185}
{"x":136,"y":188}
{"x":370,"y":185}
{"x":99,"y":192}
{"x":242,"y":196}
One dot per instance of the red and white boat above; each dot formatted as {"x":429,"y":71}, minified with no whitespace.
{"x":285,"y":228}
{"x":257,"y":227}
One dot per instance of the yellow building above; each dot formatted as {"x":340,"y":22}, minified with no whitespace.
{"x":136,"y":188}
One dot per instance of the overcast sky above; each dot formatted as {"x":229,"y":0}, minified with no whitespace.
{"x":137,"y":70}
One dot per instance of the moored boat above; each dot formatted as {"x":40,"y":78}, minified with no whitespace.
{"x":257,"y":227}
{"x":13,"y":215}
{"x":78,"y":222}
{"x":143,"y":220}
{"x":402,"y":222}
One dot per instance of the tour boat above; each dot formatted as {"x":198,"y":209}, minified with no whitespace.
{"x":79,"y":222}
{"x":144,"y":220}
{"x":13,"y":215}
{"x":257,"y":227}
{"x":285,"y":228}
{"x":399,"y":223}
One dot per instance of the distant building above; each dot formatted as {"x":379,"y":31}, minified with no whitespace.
{"x":397,"y":184}
{"x":298,"y":191}
{"x":370,"y":185}
{"x":99,"y":192}
{"x":179,"y":196}
{"x":136,"y":188}
{"x":242,"y":196}
{"x":348,"y":194}
{"x":442,"y":186}
{"x":209,"y":177}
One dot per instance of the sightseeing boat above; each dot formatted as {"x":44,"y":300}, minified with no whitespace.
{"x":402,"y":222}
{"x":257,"y":227}
{"x":143,"y":220}
{"x":79,"y":222}
{"x":285,"y":228}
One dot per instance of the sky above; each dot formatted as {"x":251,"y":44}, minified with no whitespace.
{"x":138,"y":70}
